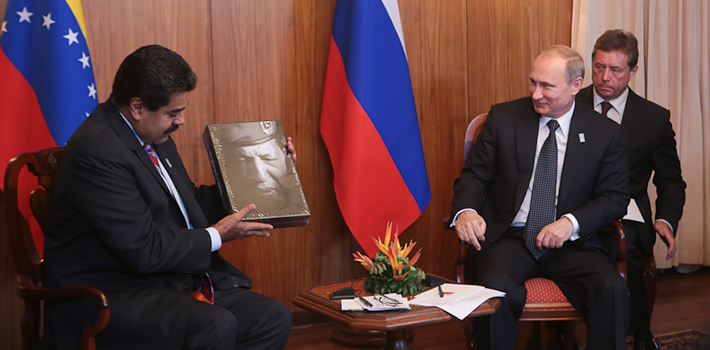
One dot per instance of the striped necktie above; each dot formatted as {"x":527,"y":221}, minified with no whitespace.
{"x":152,"y":155}
{"x":201,"y":285}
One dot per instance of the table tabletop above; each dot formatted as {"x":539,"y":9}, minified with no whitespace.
{"x":316,"y":299}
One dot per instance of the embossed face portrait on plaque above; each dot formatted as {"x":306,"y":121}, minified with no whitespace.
{"x":263,"y":169}
{"x":252,"y":165}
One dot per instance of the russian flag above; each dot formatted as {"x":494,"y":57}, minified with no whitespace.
{"x":47,"y":83}
{"x":369,"y":122}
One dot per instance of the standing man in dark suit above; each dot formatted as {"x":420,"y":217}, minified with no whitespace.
{"x":497,"y":203}
{"x":650,"y":146}
{"x":126,"y":218}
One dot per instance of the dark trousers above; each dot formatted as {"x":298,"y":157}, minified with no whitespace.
{"x":240,"y":319}
{"x":584,"y":275}
{"x":640,"y":323}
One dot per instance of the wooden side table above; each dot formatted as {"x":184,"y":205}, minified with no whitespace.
{"x":394,"y":323}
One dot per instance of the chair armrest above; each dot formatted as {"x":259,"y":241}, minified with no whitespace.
{"x":462,"y":252}
{"x":618,"y":227}
{"x":27,"y":290}
{"x":460,"y":262}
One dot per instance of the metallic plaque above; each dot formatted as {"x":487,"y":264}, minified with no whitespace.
{"x":251,"y":164}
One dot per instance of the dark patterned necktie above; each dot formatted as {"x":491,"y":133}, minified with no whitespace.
{"x":542,"y":201}
{"x":606,"y":106}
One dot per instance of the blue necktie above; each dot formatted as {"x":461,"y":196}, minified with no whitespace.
{"x":542,"y":201}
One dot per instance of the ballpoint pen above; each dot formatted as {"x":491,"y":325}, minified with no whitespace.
{"x":441,"y":292}
{"x":364,"y":301}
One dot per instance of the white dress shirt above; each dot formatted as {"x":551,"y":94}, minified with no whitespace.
{"x":618,"y":105}
{"x":562,"y":135}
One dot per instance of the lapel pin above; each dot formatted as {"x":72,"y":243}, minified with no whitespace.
{"x":170,"y":165}
{"x":581,"y":137}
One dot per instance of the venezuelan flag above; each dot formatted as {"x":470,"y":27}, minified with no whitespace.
{"x":47,"y":83}
{"x":369,"y":122}
{"x":47,"y":87}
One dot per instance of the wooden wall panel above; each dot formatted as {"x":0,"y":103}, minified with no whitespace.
{"x":266,"y":59}
{"x":10,"y":304}
{"x":117,"y":28}
{"x":435,"y":38}
{"x":504,"y":39}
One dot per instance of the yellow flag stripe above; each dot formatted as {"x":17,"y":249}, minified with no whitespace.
{"x":75,"y":6}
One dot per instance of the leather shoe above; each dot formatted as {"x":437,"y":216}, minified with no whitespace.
{"x":645,"y":344}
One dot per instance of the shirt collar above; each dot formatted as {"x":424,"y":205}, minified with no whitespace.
{"x":129,"y":124}
{"x":618,"y":103}
{"x":564,"y":121}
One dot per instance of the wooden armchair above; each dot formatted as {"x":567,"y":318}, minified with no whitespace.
{"x":545,"y":301}
{"x":43,"y":165}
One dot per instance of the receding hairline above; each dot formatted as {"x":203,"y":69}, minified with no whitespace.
{"x":574,"y":64}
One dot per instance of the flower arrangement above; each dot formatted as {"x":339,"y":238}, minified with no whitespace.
{"x":391,"y":271}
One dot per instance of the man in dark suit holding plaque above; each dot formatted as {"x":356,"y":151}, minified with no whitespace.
{"x":126,"y":218}
{"x":544,"y":175}
{"x":650,"y":146}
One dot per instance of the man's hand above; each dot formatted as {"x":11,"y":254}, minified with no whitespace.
{"x":555,"y":234}
{"x":231,"y":227}
{"x":666,"y":234}
{"x":291,"y":149}
{"x":471,"y":228}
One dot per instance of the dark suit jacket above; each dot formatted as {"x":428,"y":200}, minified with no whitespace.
{"x":650,"y":146}
{"x":494,"y":179}
{"x":115,"y":225}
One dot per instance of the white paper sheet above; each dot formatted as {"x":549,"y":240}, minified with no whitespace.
{"x":633,"y":213}
{"x":452,"y":292}
{"x":461,"y":306}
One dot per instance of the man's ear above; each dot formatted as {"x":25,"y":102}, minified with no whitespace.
{"x":632,"y":72}
{"x":136,"y":107}
{"x":577,"y":85}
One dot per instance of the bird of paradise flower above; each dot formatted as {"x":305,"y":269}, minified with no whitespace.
{"x":392,"y":259}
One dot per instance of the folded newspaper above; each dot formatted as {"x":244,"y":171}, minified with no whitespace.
{"x":459,"y":300}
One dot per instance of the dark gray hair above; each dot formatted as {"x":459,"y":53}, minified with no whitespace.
{"x":619,"y":40}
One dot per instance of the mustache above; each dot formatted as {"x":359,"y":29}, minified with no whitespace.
{"x":171,"y":129}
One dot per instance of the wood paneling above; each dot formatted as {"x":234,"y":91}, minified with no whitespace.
{"x":266,"y":59}
{"x":117,"y":28}
{"x":435,"y":38}
{"x":504,"y":38}
{"x":10,"y":304}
